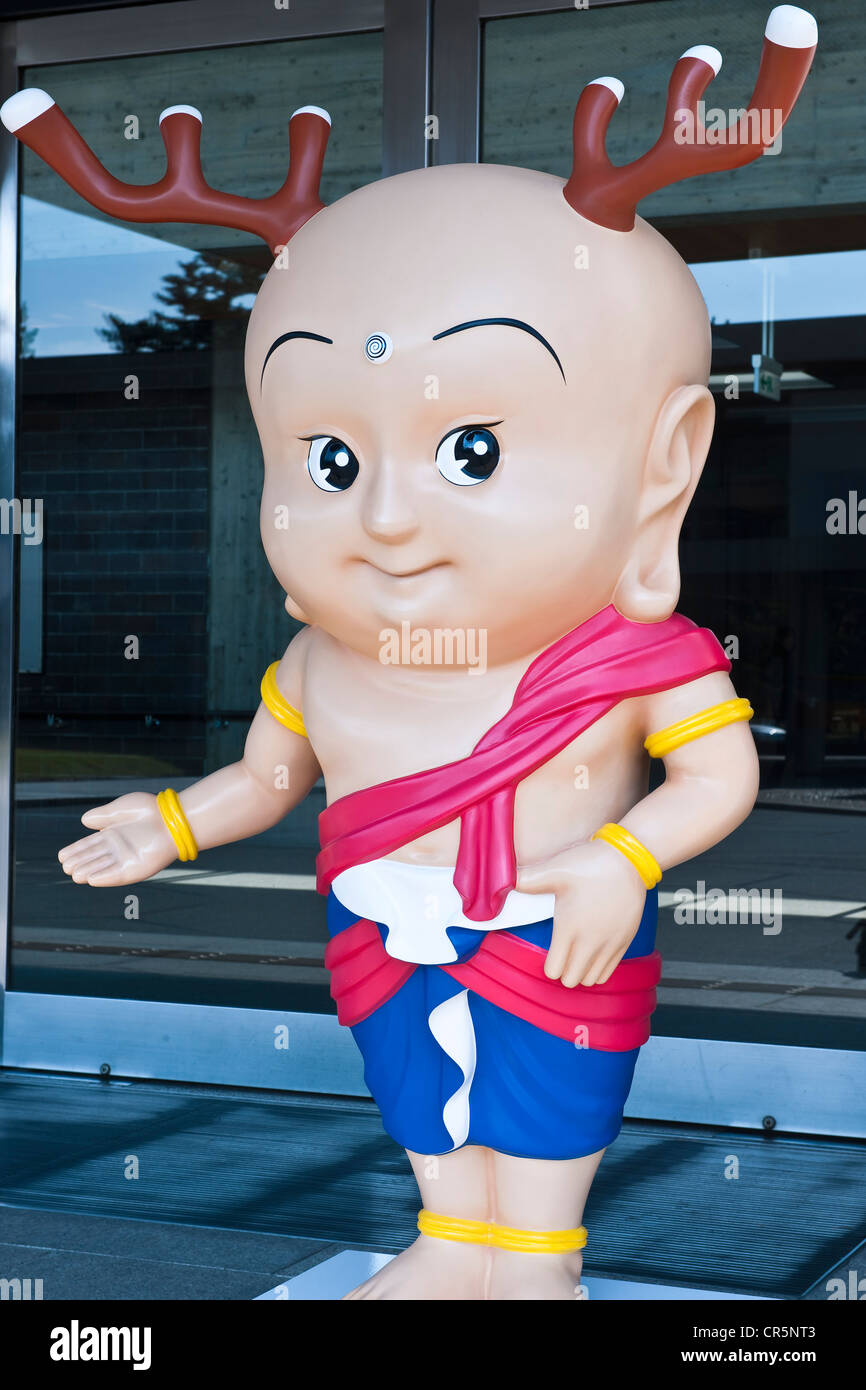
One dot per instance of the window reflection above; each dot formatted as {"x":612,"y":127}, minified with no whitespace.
{"x":149,"y":613}
{"x":772,"y":548}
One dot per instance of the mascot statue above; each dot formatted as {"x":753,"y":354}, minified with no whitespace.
{"x":481,"y":395}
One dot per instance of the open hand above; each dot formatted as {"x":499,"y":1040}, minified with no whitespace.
{"x":131,"y":842}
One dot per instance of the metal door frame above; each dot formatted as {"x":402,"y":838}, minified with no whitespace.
{"x":73,"y":1032}
{"x":432,"y":52}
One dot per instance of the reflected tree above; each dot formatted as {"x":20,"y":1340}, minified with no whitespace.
{"x":26,"y":335}
{"x":200,"y":291}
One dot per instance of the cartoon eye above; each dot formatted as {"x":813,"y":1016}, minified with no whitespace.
{"x":468,"y":456}
{"x":331,"y":463}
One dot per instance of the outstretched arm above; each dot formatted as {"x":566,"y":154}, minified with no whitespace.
{"x":277,"y":770}
{"x":710,"y":787}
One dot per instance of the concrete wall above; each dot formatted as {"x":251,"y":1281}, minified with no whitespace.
{"x":536,"y":66}
{"x":246,"y":95}
{"x":249,"y":627}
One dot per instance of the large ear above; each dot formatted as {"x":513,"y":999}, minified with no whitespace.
{"x":649,"y":586}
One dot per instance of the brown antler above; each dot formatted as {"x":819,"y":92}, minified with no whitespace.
{"x":182,"y":194}
{"x":609,"y":195}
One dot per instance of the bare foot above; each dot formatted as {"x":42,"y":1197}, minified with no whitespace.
{"x":547,"y":1278}
{"x":431,"y":1269}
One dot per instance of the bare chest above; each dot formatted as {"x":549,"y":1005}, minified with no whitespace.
{"x":374,"y":726}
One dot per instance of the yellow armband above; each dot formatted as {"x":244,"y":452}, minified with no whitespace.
{"x":278,"y":705}
{"x":177,"y":824}
{"x":717,"y":717}
{"x":638,"y":854}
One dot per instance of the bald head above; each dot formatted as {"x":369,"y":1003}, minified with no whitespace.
{"x":461,"y":297}
{"x":415,"y":254}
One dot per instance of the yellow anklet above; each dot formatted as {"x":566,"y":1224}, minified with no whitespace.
{"x":716,"y":717}
{"x":638,"y":854}
{"x":540,"y":1242}
{"x":177,"y":824}
{"x":278,"y":705}
{"x":470,"y":1232}
{"x":462,"y":1229}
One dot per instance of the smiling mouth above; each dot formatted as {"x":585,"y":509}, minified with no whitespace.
{"x":406,"y":574}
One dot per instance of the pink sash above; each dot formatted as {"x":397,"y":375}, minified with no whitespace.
{"x":565,"y":690}
{"x":509,"y":972}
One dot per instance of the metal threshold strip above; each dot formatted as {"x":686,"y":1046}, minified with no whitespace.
{"x":338,"y":1274}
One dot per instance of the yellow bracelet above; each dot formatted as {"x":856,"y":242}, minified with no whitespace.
{"x":638,"y":854}
{"x":278,"y":705}
{"x":177,"y":824}
{"x":467,"y":1231}
{"x":716,"y":717}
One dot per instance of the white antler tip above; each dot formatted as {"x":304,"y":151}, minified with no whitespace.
{"x":792,"y":27}
{"x":613,"y":84}
{"x":180,"y":110}
{"x":23,"y":107}
{"x":312,"y":111}
{"x":707,"y":54}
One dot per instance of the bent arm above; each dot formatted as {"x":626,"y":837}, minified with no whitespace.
{"x":710,"y":783}
{"x":710,"y":788}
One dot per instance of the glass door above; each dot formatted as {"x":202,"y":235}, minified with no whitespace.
{"x":147,"y":611}
{"x":763,"y":999}
{"x":134,"y":436}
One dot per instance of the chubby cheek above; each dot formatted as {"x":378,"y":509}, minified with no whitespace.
{"x":281,"y":522}
{"x":550,"y":537}
{"x":537,"y":513}
{"x":306,"y":557}
{"x":536,"y":571}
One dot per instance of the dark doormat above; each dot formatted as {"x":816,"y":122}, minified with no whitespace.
{"x":721,"y":1209}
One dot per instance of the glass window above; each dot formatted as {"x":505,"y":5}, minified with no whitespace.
{"x":535,"y":67}
{"x":149,"y":613}
{"x":773,"y":548}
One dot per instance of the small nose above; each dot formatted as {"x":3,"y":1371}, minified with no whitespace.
{"x":388,"y":513}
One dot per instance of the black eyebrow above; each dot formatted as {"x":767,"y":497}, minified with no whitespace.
{"x":284,"y":338}
{"x":509,"y":323}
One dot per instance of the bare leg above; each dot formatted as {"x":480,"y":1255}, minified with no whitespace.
{"x":539,"y":1195}
{"x":456,"y":1184}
